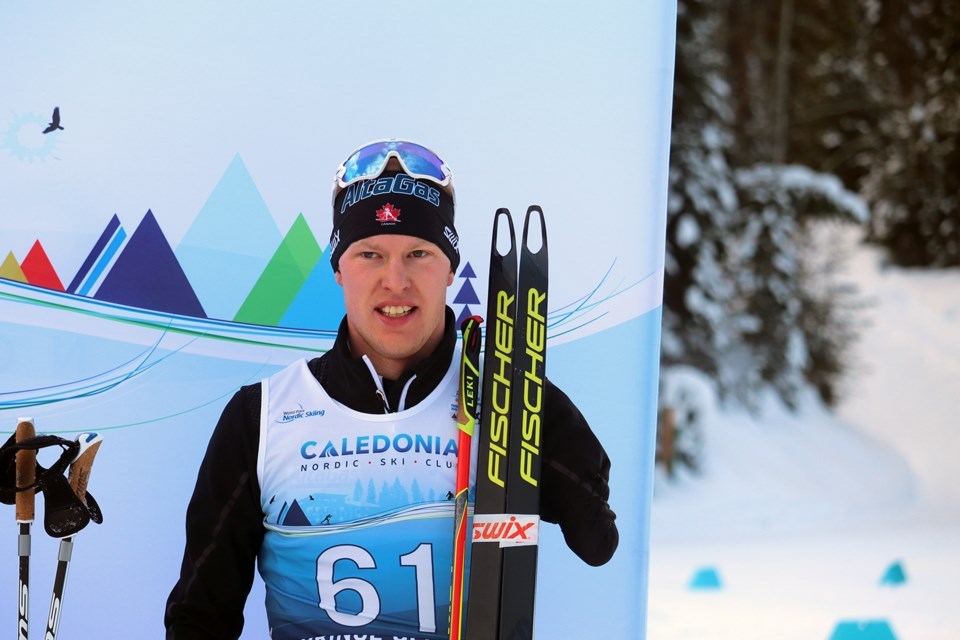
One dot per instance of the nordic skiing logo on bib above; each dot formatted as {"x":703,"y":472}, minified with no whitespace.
{"x":299,"y":413}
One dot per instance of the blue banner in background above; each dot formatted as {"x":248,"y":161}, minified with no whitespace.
{"x":170,"y":243}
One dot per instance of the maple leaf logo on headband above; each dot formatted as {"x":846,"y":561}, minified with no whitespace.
{"x":388,"y":213}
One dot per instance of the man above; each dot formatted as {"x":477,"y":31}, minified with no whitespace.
{"x":335,"y":474}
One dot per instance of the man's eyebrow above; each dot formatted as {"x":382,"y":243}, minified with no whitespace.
{"x":371,"y":245}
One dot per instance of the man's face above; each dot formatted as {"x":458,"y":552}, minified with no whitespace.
{"x":394,"y":289}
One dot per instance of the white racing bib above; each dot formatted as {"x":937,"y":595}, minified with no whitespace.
{"x":358,"y":510}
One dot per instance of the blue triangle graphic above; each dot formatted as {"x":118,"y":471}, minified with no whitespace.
{"x":319,"y":303}
{"x":466,"y":295}
{"x":229,"y":243}
{"x":95,"y":253}
{"x":466,"y":313}
{"x":467,"y":272}
{"x":295,"y":516}
{"x":147,"y":275}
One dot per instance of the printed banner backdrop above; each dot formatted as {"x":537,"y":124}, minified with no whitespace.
{"x":167,"y":242}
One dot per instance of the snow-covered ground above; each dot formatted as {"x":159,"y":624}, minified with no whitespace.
{"x":802,"y":514}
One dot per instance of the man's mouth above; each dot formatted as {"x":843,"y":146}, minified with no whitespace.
{"x":392,"y":311}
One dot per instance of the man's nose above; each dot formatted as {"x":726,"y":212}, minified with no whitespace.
{"x":396,"y":276}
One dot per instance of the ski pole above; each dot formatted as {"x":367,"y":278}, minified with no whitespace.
{"x":469,"y":386}
{"x":79,"y":476}
{"x":26,"y":467}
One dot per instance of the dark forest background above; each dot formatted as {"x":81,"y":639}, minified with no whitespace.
{"x":792,"y":119}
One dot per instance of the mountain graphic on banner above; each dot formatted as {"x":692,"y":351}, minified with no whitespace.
{"x":104,"y":250}
{"x":233,"y":259}
{"x":467,"y":295}
{"x":10,"y":269}
{"x":286,"y":272}
{"x":38,"y":270}
{"x":319,"y":303}
{"x":147,"y":275}
{"x":229,"y":244}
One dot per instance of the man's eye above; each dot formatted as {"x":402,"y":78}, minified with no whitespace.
{"x":368,"y":255}
{"x":419,"y":253}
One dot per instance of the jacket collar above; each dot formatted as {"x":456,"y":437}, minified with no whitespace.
{"x":348,"y":380}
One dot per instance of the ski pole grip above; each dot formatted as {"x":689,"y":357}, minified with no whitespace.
{"x":80,"y":468}
{"x":469,"y":374}
{"x":26,"y":472}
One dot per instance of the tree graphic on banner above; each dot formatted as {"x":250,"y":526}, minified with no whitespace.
{"x":466,"y":296}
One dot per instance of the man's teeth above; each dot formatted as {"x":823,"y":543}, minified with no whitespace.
{"x":395,"y":312}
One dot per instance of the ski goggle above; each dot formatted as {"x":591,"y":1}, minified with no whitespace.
{"x":370,"y":160}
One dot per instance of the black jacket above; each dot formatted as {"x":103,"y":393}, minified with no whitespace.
{"x":224,"y":524}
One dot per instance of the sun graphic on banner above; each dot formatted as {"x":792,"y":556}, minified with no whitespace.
{"x":25,"y":140}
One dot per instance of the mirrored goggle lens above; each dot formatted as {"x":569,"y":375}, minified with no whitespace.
{"x":370,"y":161}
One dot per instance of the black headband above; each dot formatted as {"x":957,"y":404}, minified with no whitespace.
{"x":394,"y":203}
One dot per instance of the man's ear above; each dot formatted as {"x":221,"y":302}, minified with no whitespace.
{"x":450,"y":278}
{"x":338,"y":277}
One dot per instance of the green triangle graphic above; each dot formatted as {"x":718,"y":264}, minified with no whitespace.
{"x":10,"y":269}
{"x":282,"y":278}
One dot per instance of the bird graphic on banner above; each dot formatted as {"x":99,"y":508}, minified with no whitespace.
{"x":54,"y":121}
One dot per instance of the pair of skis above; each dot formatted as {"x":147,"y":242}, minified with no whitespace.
{"x":26,"y":481}
{"x":503,"y":565}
